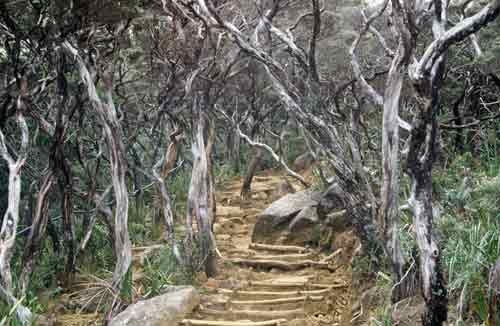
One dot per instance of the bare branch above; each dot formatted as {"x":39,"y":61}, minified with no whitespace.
{"x":372,"y":94}
{"x":452,"y":36}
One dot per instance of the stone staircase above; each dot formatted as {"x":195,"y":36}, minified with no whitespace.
{"x":260,"y":284}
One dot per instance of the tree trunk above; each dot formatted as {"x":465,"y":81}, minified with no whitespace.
{"x":11,"y":217}
{"x":107,"y":114}
{"x":168,"y":162}
{"x":212,"y":205}
{"x":252,"y":168}
{"x":432,"y":281}
{"x":199,"y":196}
{"x":389,"y":208}
{"x":66,"y":185}
{"x":421,"y":156}
{"x":233,"y":149}
{"x":36,"y":234}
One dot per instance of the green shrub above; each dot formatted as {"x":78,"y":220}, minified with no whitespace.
{"x":470,"y":229}
{"x":384,"y":317}
{"x":161,"y":270}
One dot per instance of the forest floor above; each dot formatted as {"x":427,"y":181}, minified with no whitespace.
{"x":268,"y":285}
{"x":261,"y":285}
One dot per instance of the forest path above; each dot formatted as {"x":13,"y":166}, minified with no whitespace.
{"x":260,"y":285}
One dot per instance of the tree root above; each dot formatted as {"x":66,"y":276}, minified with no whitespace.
{"x":330,"y":257}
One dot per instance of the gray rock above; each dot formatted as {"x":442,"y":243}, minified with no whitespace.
{"x":331,"y":199}
{"x":164,"y":310}
{"x":301,"y":228}
{"x":305,"y":218}
{"x":288,"y":213}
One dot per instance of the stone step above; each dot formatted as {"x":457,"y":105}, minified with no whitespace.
{"x":282,"y":284}
{"x":229,"y":211}
{"x":300,"y":299}
{"x":275,"y":293}
{"x":254,"y":314}
{"x":261,"y":246}
{"x":290,"y":257}
{"x":199,"y":322}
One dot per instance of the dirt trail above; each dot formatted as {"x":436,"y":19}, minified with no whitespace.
{"x":267,"y":285}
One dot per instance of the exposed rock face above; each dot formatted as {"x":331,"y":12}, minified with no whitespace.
{"x":287,"y":217}
{"x":164,"y":310}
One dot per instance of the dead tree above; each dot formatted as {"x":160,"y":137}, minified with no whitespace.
{"x":198,"y":206}
{"x":388,"y":215}
{"x":11,"y":217}
{"x":427,"y":76}
{"x":108,"y":117}
{"x":167,"y":165}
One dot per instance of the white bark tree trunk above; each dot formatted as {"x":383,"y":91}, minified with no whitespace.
{"x":11,"y":216}
{"x":107,"y":114}
{"x":198,"y":198}
{"x":167,"y":164}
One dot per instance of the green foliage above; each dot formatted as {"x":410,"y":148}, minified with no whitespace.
{"x":223,"y":173}
{"x":294,"y":148}
{"x":480,"y":304}
{"x":8,"y":316}
{"x":126,"y":291}
{"x":384,"y":317}
{"x":316,"y":236}
{"x":101,"y":249}
{"x":137,"y":233}
{"x":162,"y":270}
{"x":178,"y":187}
{"x":470,"y":228}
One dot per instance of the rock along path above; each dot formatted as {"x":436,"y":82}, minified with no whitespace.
{"x":260,"y":285}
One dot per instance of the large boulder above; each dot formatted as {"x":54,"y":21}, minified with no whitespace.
{"x":289,"y":219}
{"x":164,"y":310}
